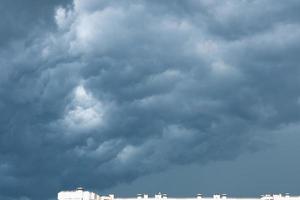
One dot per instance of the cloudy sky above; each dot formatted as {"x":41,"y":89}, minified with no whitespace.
{"x":126,"y":97}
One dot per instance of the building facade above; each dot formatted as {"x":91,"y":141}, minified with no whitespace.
{"x":81,"y":194}
{"x":78,"y":194}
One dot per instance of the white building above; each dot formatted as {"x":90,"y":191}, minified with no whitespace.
{"x":81,"y":194}
{"x":78,"y":194}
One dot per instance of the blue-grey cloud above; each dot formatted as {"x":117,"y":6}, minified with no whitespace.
{"x":19,"y":18}
{"x":107,"y":91}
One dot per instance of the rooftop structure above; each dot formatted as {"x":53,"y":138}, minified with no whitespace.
{"x":81,"y":194}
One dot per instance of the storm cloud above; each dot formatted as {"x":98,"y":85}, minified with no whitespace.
{"x":97,"y":93}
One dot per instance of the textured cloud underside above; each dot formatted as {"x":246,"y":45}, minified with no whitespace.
{"x":118,"y":89}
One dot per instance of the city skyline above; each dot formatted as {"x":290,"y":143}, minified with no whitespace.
{"x":81,"y":194}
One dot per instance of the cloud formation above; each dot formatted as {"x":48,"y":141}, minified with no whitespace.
{"x":116,"y":90}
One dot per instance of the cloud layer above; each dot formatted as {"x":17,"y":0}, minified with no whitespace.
{"x":103,"y":92}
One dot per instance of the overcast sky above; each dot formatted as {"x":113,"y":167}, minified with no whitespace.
{"x":126,"y":97}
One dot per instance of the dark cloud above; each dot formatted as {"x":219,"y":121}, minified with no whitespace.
{"x":101,"y":93}
{"x":20,"y":19}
